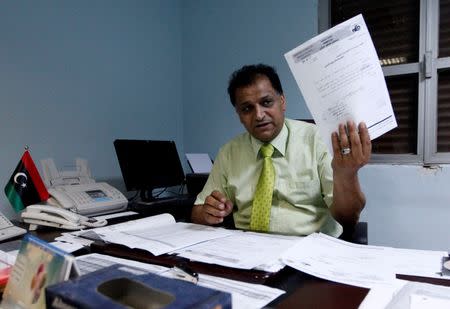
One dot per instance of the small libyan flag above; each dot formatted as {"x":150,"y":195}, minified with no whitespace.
{"x":25,"y":187}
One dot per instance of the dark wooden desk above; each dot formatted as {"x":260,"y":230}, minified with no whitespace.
{"x":302,"y":290}
{"x":313,"y":292}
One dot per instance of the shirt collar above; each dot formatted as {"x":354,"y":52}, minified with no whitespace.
{"x":279,"y":142}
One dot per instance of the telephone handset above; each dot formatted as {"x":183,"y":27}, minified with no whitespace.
{"x":60,"y":199}
{"x":57,"y":217}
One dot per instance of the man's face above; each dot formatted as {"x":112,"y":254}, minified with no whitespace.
{"x":261,"y":109}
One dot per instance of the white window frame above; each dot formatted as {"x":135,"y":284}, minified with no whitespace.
{"x":427,"y":89}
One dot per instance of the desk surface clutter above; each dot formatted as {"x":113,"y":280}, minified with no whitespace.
{"x":256,"y":269}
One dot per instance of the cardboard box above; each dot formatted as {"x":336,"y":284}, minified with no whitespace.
{"x":120,"y":286}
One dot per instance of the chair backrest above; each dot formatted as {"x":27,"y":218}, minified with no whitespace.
{"x":356,"y":234}
{"x":307,"y":120}
{"x":195,"y":183}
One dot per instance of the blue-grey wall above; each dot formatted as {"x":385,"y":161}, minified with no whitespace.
{"x":407,"y":206}
{"x":75,"y":75}
{"x":221,"y":36}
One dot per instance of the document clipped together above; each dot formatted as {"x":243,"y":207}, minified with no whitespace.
{"x":340,"y":77}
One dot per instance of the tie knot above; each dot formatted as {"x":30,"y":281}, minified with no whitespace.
{"x":267,"y":150}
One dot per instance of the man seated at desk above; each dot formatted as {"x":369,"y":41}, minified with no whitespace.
{"x":278,"y":176}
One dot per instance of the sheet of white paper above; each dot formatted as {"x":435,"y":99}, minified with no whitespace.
{"x":69,"y":238}
{"x":166,"y":238}
{"x":336,"y":260}
{"x":6,"y":259}
{"x":340,"y":77}
{"x":271,"y":267}
{"x":66,"y":246}
{"x":148,"y":222}
{"x":417,"y":295}
{"x":367,"y":266}
{"x":379,"y":296}
{"x":116,"y":215}
{"x":418,"y":301}
{"x":144,"y":223}
{"x":199,"y":162}
{"x":92,"y":262}
{"x":424,"y":263}
{"x":244,"y":295}
{"x":244,"y":250}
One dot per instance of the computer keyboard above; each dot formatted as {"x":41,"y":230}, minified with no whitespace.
{"x":161,"y":200}
{"x":179,"y":206}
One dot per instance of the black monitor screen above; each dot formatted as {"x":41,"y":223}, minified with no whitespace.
{"x":147,"y":164}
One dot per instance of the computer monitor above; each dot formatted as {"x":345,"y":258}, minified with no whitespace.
{"x":148,"y":164}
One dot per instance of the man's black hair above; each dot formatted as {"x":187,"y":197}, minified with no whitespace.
{"x":248,"y":74}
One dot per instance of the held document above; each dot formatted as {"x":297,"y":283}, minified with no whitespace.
{"x":340,"y":77}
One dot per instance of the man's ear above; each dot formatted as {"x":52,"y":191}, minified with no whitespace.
{"x":283,"y":102}
{"x":237,"y":113}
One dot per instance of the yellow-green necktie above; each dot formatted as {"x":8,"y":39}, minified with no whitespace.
{"x":262,"y":201}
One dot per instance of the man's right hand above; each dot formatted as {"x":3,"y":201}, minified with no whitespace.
{"x":215,"y":209}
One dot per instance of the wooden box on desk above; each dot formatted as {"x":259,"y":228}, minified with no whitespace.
{"x":121,"y":286}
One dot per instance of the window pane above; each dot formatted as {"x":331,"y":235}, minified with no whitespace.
{"x":443,"y":122}
{"x":393,"y":26}
{"x":404,"y":98}
{"x":444,"y":28}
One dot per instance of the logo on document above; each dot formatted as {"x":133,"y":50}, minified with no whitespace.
{"x":356,"y":28}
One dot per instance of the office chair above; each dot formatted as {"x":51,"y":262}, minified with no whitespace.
{"x":356,"y":234}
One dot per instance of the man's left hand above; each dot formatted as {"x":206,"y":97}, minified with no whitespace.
{"x":351,"y":148}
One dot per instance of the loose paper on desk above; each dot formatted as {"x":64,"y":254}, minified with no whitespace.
{"x":418,"y":295}
{"x":245,"y":250}
{"x":333,"y":259}
{"x":340,"y":77}
{"x":94,"y":261}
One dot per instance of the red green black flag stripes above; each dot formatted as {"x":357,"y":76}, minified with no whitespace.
{"x":25,"y":187}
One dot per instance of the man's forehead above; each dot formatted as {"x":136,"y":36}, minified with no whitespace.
{"x":258,"y":89}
